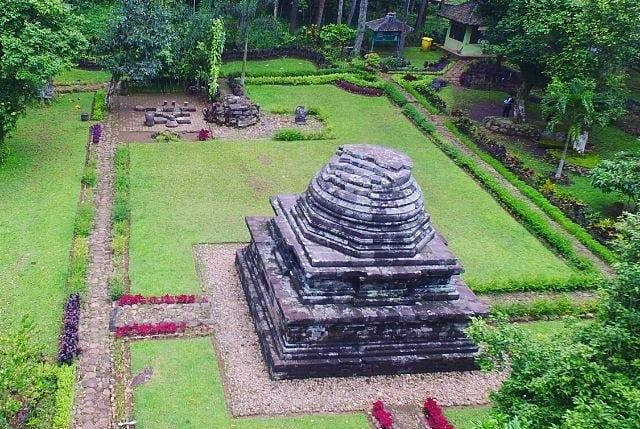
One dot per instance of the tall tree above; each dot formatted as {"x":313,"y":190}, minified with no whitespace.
{"x":340,"y":7}
{"x":422,"y":15}
{"x":38,"y":39}
{"x":362,"y":19}
{"x":293,"y":17}
{"x":317,"y":19}
{"x":245,"y":11}
{"x":352,"y":11}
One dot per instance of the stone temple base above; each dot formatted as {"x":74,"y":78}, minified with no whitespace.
{"x":302,"y":341}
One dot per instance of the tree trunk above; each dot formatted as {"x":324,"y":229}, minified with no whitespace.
{"x":244,"y":56}
{"x":520,"y":110}
{"x":340,"y":7}
{"x":293,"y":17}
{"x":422,"y":15}
{"x":580,"y":143}
{"x":352,"y":11}
{"x":563,"y":158}
{"x":275,"y":9}
{"x":362,"y":18}
{"x":317,"y":19}
{"x":403,"y":35}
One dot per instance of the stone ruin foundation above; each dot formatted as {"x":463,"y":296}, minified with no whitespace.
{"x":233,"y":111}
{"x":170,"y":115}
{"x":350,"y":277}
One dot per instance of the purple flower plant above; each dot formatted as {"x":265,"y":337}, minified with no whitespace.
{"x":68,"y":346}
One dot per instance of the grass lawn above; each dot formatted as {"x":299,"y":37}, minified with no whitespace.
{"x":466,"y":417}
{"x":39,"y":188}
{"x":463,"y":98}
{"x":272,"y":66}
{"x":186,"y":392}
{"x":79,"y":76}
{"x":413,"y":54}
{"x":189,"y":192}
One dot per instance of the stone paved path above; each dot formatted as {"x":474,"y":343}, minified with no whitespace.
{"x":438,"y":121}
{"x":92,"y":409}
{"x":195,"y":315}
{"x":453,"y":74}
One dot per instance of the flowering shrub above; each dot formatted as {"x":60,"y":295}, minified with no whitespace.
{"x":382,"y":416}
{"x":146,"y":329}
{"x":434,"y":415}
{"x":68,"y":345}
{"x":96,"y":133}
{"x":357,"y":89}
{"x":128,"y":299}
{"x":203,"y":134}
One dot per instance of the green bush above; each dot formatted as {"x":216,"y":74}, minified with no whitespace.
{"x":99,"y":107}
{"x":116,"y":288}
{"x":421,"y":99}
{"x":545,"y":308}
{"x":288,"y":134}
{"x":576,"y":281}
{"x":538,"y":199}
{"x":84,"y":217}
{"x":90,"y":176}
{"x":78,"y":266}
{"x":423,"y":88}
{"x":366,"y":80}
{"x":417,"y":117}
{"x":395,"y":94}
{"x":65,"y":393}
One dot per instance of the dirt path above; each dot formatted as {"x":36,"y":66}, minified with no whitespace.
{"x":438,"y":121}
{"x":92,"y":408}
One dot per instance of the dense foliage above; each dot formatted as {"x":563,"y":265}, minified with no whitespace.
{"x":215,"y":55}
{"x":38,"y":40}
{"x":68,"y":347}
{"x":587,"y":377}
{"x":27,"y":384}
{"x":621,"y":174}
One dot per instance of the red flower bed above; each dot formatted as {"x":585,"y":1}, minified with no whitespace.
{"x":357,"y":89}
{"x":146,"y":329}
{"x":435,"y":416}
{"x":382,"y":416}
{"x":165,"y":299}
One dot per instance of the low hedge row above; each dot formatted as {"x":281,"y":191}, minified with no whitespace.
{"x":433,"y":98}
{"x":545,"y":308}
{"x":414,"y":114}
{"x":421,"y":99}
{"x":538,"y":199}
{"x":65,"y":393}
{"x":576,"y":281}
{"x":99,"y":107}
{"x":287,"y":73}
{"x":358,"y":89}
{"x":362,"y":80}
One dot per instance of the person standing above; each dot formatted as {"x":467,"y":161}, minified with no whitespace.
{"x":507,"y":104}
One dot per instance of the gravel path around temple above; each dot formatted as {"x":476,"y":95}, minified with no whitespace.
{"x":250,"y":391}
{"x":92,"y":408}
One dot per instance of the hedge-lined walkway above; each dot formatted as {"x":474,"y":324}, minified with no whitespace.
{"x":439,"y":123}
{"x":92,"y":408}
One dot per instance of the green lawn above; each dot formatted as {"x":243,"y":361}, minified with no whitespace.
{"x":413,"y":54}
{"x":463,"y":98}
{"x":466,"y":417}
{"x":186,"y":392}
{"x":79,"y":76}
{"x":190,"y":192}
{"x":39,"y":188}
{"x":275,"y":66}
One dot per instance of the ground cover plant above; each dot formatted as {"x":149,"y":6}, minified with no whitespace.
{"x":39,"y":187}
{"x":186,"y":372}
{"x":217,"y":199}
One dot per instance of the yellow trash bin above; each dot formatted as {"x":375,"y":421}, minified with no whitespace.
{"x":426,"y":43}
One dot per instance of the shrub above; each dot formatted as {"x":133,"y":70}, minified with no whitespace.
{"x":147,"y":329}
{"x":435,"y":416}
{"x":424,"y":89}
{"x":545,"y":308}
{"x":165,"y":299}
{"x":68,"y":344}
{"x":395,"y":94}
{"x":360,"y":90}
{"x":90,"y":176}
{"x":372,"y":60}
{"x":166,"y":136}
{"x":99,"y":106}
{"x":84,"y":219}
{"x":65,"y":393}
{"x":203,"y":134}
{"x":78,"y":266}
{"x":289,"y":134}
{"x":417,"y":117}
{"x":116,"y":288}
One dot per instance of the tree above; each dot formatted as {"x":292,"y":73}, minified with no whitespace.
{"x":340,"y":8}
{"x":319,"y":12}
{"x":422,"y":15}
{"x":352,"y":11}
{"x":621,"y":174}
{"x":588,"y":376}
{"x":293,"y":16}
{"x":362,"y":19}
{"x":244,"y":11}
{"x":139,"y":42}
{"x":215,"y":56}
{"x":38,"y":39}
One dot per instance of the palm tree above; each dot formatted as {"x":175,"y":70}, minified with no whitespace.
{"x":362,"y":18}
{"x":244,"y":11}
{"x":570,"y":104}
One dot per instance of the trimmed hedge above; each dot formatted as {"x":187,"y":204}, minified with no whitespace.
{"x":546,"y":308}
{"x":395,"y":94}
{"x":287,"y":73}
{"x":362,"y":80}
{"x":538,"y":199}
{"x":99,"y":106}
{"x":421,"y":99}
{"x":576,"y":281}
{"x":65,"y":393}
{"x":414,"y":114}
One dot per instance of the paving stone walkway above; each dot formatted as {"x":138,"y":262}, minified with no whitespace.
{"x":92,"y":409}
{"x":438,"y":121}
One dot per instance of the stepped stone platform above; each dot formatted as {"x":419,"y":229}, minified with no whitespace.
{"x":350,"y":278}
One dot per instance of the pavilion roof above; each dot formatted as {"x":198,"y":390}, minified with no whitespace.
{"x":465,"y":13}
{"x":388,"y":23}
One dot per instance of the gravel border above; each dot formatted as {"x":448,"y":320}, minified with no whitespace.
{"x":250,"y":391}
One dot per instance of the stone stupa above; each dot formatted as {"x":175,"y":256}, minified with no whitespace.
{"x":351,"y":278}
